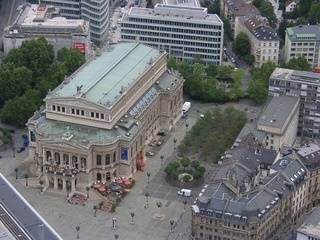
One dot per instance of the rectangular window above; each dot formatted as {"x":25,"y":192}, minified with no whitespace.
{"x":102,"y":116}
{"x":72,"y":110}
{"x":107,"y":159}
{"x":53,"y":107}
{"x":114,"y":156}
{"x":97,"y":115}
{"x":63,"y":109}
{"x":58,"y":108}
{"x":78,"y":111}
{"x":82,"y":113}
{"x":92,"y":114}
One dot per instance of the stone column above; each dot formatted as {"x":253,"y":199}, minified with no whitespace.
{"x":70,"y":160}
{"x":64,"y":185}
{"x":73,"y":184}
{"x":55,"y":182}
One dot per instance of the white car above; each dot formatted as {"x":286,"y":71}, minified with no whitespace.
{"x":185,"y":192}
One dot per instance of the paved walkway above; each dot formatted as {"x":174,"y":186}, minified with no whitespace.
{"x":65,"y":217}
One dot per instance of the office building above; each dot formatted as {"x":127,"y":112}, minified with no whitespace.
{"x":279,"y":122}
{"x":264,"y":40}
{"x":184,"y":30}
{"x":303,"y":40}
{"x":95,"y":124}
{"x":36,"y":21}
{"x":96,"y":12}
{"x":306,"y":86}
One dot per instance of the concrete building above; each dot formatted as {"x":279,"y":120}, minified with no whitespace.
{"x":279,"y":122}
{"x":310,"y":229}
{"x":36,"y":21}
{"x":96,"y":12}
{"x":303,"y":40}
{"x":310,"y":156}
{"x":306,"y":86}
{"x":95,"y":124}
{"x":233,"y":9}
{"x":264,"y":40}
{"x":184,"y":30}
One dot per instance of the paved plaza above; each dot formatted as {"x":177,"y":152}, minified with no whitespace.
{"x":149,"y":223}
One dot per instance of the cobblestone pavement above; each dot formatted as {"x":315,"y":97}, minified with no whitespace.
{"x":148,"y":225}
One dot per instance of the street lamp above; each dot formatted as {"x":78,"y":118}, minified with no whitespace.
{"x":95,"y":210}
{"x":161,"y":157}
{"x":174,"y":141}
{"x":148,"y":176}
{"x":171,"y":225}
{"x":78,"y":230}
{"x":147,"y":195}
{"x":132,"y":216}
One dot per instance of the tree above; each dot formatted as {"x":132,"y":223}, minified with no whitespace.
{"x":304,"y":7}
{"x":14,"y":81}
{"x":224,"y":73}
{"x":257,"y":91}
{"x":300,"y":63}
{"x":172,"y":63}
{"x":36,"y":55}
{"x":241,"y":45}
{"x":314,"y":14}
{"x":266,"y":10}
{"x":211,"y":70}
{"x":227,"y":28}
{"x":185,"y":162}
{"x":71,"y":58}
{"x":172,"y":169}
{"x":17,"y":111}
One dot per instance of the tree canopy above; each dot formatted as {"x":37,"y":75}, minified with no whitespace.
{"x":258,"y":86}
{"x":299,"y":63}
{"x":212,"y":135}
{"x":26,"y":75}
{"x":242,"y":47}
{"x":266,"y":10}
{"x":209,"y":83}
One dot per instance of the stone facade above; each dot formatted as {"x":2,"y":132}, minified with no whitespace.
{"x":77,"y":141}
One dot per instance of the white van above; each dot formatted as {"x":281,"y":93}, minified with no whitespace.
{"x":184,"y":192}
{"x":186,"y":107}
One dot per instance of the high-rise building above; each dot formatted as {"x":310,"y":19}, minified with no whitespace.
{"x":184,"y":30}
{"x":305,"y":85}
{"x":303,"y":40}
{"x":96,"y":12}
{"x":36,"y":21}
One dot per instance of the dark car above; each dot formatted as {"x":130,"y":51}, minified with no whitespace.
{"x":21,"y":149}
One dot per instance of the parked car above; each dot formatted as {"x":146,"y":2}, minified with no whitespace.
{"x":185,"y":192}
{"x":161,"y":133}
{"x":149,"y":154}
{"x":159,"y":143}
{"x":151,"y":144}
{"x":21,"y":149}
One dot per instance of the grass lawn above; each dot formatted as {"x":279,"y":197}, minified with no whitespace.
{"x":212,"y":135}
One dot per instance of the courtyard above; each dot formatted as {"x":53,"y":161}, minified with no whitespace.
{"x":149,"y":219}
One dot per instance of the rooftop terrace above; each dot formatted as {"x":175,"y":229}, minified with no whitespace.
{"x":106,"y":78}
{"x":185,"y":3}
{"x":303,"y":32}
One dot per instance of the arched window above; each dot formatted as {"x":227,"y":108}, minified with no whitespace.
{"x":83,"y":162}
{"x":65,"y":159}
{"x":99,"y":177}
{"x":60,"y":183}
{"x":48,"y":155}
{"x":98,"y":160}
{"x":57,"y":157}
{"x":107,"y":159}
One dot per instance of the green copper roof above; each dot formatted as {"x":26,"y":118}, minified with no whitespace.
{"x":109,"y":75}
